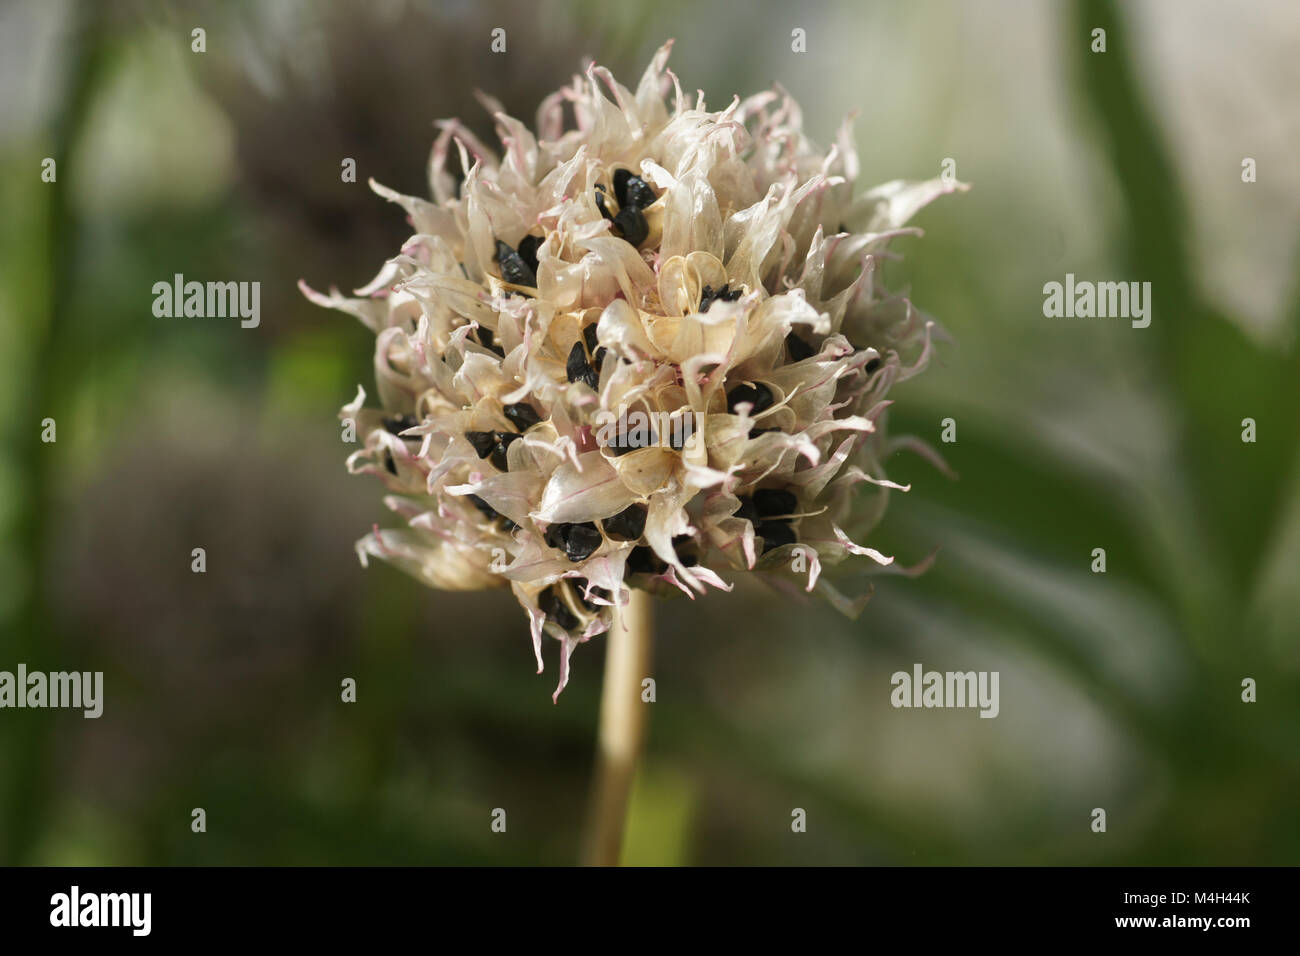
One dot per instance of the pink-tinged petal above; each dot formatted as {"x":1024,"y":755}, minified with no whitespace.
{"x":583,"y":491}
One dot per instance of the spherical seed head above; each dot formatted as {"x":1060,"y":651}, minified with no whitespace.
{"x":645,"y":351}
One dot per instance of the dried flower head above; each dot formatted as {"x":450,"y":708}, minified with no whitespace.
{"x":640,"y":352}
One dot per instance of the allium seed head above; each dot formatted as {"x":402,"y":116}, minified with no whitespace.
{"x":646,"y":351}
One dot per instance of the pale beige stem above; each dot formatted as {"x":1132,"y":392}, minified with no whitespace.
{"x":622,"y":728}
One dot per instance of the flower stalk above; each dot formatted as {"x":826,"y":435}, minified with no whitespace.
{"x":622,"y":732}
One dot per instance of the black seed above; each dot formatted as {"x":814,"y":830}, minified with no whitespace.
{"x":758,"y":395}
{"x":632,"y":191}
{"x":755,"y":432}
{"x":621,"y":178}
{"x":631,"y":439}
{"x":553,"y":606}
{"x":522,"y":415}
{"x":488,"y":341}
{"x":628,"y":524}
{"x":600,"y":202}
{"x":513,"y":268}
{"x":872,"y":365}
{"x":484,"y":508}
{"x":388,"y":461}
{"x":684,"y":548}
{"x":400,"y":423}
{"x":589,"y":336}
{"x":528,"y":247}
{"x":483,"y":442}
{"x":494,"y":444}
{"x":491,"y":513}
{"x":747,"y":510}
{"x":775,"y":534}
{"x":639,"y":193}
{"x":622,"y":446}
{"x":578,"y":369}
{"x":577,"y":541}
{"x":643,"y":560}
{"x":597,"y":358}
{"x":708,"y":295}
{"x":631,"y":225}
{"x":576,"y":365}
{"x":799,"y":349}
{"x":774,"y":501}
{"x":503,"y":441}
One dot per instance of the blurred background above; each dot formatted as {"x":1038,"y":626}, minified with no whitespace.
{"x":1119,"y":690}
